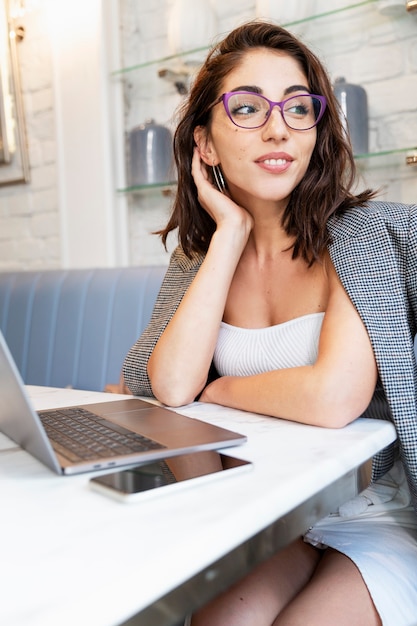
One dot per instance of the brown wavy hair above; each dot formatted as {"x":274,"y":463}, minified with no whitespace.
{"x":326,"y":187}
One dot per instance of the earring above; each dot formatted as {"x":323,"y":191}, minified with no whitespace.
{"x":218,"y":178}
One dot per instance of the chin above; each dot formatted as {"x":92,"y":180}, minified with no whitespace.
{"x":275,"y":193}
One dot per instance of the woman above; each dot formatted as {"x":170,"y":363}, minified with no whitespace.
{"x":301,"y":298}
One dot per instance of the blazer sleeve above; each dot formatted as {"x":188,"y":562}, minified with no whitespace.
{"x":411,"y":258}
{"x":179,"y":276}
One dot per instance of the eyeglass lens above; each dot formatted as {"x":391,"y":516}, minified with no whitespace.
{"x":251,"y":110}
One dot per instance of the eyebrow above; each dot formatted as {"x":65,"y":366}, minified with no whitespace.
{"x":256,"y":89}
{"x":294,"y":88}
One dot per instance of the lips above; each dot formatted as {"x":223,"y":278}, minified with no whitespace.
{"x":275,"y":158}
{"x":276,"y":161}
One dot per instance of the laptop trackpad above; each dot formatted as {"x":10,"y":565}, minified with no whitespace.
{"x":172,"y":429}
{"x":163,"y":425}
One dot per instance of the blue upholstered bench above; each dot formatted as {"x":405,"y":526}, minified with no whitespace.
{"x":74,"y":327}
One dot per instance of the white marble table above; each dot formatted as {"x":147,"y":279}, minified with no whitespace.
{"x":72,"y":556}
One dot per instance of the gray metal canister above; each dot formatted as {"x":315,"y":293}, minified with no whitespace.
{"x":354,"y":105}
{"x":151,"y":154}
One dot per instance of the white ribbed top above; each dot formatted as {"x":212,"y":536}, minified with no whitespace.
{"x":247,"y":351}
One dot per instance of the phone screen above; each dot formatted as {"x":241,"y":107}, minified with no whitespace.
{"x":170,"y":471}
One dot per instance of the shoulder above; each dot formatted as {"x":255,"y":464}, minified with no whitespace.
{"x":179,"y":275}
{"x":184,"y":263}
{"x":393,"y":216}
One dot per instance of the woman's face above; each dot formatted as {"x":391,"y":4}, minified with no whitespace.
{"x":263,"y":164}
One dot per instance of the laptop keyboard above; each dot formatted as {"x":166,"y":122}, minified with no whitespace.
{"x":80,"y":435}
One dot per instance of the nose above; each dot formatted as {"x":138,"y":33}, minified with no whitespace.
{"x":275,"y":126}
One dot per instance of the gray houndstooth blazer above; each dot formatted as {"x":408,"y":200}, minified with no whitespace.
{"x":374,"y":251}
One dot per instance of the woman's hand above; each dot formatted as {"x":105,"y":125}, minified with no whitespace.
{"x":219,"y":206}
{"x":206,"y":396}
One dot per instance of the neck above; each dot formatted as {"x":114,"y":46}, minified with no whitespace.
{"x":268,"y":237}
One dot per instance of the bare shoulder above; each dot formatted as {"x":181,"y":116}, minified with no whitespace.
{"x":341,"y":314}
{"x":334,"y":282}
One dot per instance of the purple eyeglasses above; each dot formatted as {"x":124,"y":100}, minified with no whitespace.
{"x":247,"y":109}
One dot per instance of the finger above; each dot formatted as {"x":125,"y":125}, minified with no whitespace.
{"x":198,"y":168}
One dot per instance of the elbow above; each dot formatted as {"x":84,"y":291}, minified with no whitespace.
{"x":173,"y":399}
{"x":173,"y":393}
{"x":333,"y":417}
{"x":333,"y":407}
{"x":171,"y":385}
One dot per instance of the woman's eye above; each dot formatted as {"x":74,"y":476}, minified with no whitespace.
{"x":300,"y":107}
{"x":244,"y":109}
{"x":300,"y":110}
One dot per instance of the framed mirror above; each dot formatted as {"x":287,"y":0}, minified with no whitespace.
{"x":14,"y":158}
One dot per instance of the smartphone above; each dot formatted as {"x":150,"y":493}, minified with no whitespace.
{"x":150,"y":479}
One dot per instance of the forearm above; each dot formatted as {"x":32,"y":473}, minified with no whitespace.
{"x":179,"y":276}
{"x":180,"y":361}
{"x":302,"y":394}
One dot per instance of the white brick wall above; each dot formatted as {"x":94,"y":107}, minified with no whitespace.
{"x":369,"y":49}
{"x":29,"y":213}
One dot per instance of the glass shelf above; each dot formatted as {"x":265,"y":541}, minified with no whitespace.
{"x":311,"y":18}
{"x":165,"y":188}
{"x":386,"y":161}
{"x":382,"y":153}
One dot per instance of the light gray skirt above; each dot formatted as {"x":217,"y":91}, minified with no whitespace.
{"x":378,"y":532}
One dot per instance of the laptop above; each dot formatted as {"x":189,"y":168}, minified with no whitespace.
{"x":140,"y":432}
